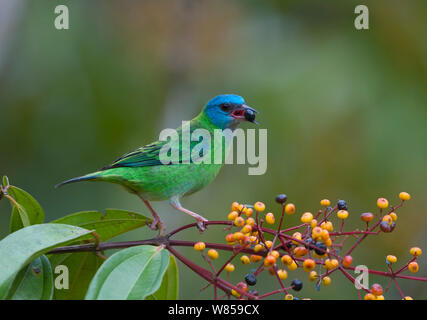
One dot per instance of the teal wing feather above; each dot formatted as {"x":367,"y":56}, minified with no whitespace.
{"x":150,"y":155}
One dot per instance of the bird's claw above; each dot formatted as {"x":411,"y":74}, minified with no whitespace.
{"x":201,"y":225}
{"x":154,"y":225}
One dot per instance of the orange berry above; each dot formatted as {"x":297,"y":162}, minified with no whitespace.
{"x":382,"y":203}
{"x":325,"y":234}
{"x":404,"y":196}
{"x":230,"y":238}
{"x":235,"y":206}
{"x":377,"y":289}
{"x":413,"y":267}
{"x":213,"y":254}
{"x":308,"y":265}
{"x":415,"y":251}
{"x":346,"y":262}
{"x":300,"y":251}
{"x":269,"y":218}
{"x":269,"y":261}
{"x":199,"y":246}
{"x":239,"y":222}
{"x":250,"y":221}
{"x":249,"y":212}
{"x":290,"y":208}
{"x":259,"y":206}
{"x":229,"y":267}
{"x":367,"y":216}
{"x":255,"y":258}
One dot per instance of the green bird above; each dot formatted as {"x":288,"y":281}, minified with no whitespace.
{"x":171,"y":169}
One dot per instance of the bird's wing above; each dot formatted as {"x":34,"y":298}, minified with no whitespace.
{"x":151,"y":155}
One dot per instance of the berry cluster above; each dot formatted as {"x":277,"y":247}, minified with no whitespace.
{"x":312,"y":246}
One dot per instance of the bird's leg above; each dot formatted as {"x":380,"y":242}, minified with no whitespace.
{"x":174,"y":201}
{"x":157,"y":223}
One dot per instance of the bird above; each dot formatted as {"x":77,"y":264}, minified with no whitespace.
{"x":145,"y":173}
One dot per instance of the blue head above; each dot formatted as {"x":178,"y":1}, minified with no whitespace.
{"x":228,"y":110}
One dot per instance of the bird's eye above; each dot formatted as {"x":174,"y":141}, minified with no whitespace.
{"x":225,"y":107}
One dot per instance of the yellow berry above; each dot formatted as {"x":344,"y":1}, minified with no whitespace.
{"x":233,"y":215}
{"x":239,"y":222}
{"x":325,"y":234}
{"x":342,"y":214}
{"x":325,"y":203}
{"x":369,"y":296}
{"x":391,"y":259}
{"x":249,"y":212}
{"x":230,"y":238}
{"x":415,"y":251}
{"x":312,"y":276}
{"x":287,"y":259}
{"x":382,"y":203}
{"x":290,"y":208}
{"x":313,"y":223}
{"x":387,"y":218}
{"x":306,"y":217}
{"x":413,"y":267}
{"x":259,"y":206}
{"x":407,"y":298}
{"x":235,"y":293}
{"x":269,"y":218}
{"x":289,"y":297}
{"x":292,"y":266}
{"x":258,"y":247}
{"x":393,"y":215}
{"x":229,"y":267}
{"x":238,"y":236}
{"x":199,"y":246}
{"x":296,"y":235}
{"x":282,"y":273}
{"x":404,"y":196}
{"x":268,"y":244}
{"x":300,"y":251}
{"x":380,"y":297}
{"x":316,"y":233}
{"x":328,"y":242}
{"x":326,"y":281}
{"x":247,"y":228}
{"x":245,"y":259}
{"x":213,"y":254}
{"x":308,"y":265}
{"x":275,"y":254}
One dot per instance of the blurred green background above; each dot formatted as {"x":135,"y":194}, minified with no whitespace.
{"x":345,"y":109}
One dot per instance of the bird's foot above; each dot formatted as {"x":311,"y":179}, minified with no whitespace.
{"x":157,"y":224}
{"x":201,"y":225}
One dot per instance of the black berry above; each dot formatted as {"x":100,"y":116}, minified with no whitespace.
{"x":281,"y":198}
{"x":250,"y":279}
{"x":342,"y":205}
{"x":296,"y":284}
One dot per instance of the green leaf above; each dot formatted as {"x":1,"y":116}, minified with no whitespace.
{"x":18,"y":249}
{"x":169,"y":288}
{"x":33,"y":282}
{"x":27,"y":212}
{"x":107,"y":226}
{"x":82,"y":266}
{"x":5,"y":181}
{"x":132,"y":273}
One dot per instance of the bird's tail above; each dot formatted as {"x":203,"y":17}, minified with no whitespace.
{"x":91,"y":176}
